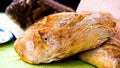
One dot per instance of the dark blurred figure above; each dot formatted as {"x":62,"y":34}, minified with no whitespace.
{"x":71,"y":3}
{"x":4,"y":4}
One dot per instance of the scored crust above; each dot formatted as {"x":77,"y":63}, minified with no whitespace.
{"x":106,"y":56}
{"x":61,"y":35}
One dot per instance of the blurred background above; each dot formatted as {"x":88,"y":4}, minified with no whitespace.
{"x":4,"y":4}
{"x":71,"y":3}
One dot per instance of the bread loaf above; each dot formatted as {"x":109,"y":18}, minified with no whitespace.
{"x":61,"y":35}
{"x":106,"y":56}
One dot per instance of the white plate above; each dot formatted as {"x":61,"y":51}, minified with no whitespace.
{"x":5,"y":35}
{"x":8,"y":24}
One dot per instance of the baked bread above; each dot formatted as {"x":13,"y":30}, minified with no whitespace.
{"x":61,"y":35}
{"x":106,"y":56}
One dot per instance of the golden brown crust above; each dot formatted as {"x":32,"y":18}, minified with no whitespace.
{"x":114,"y":41}
{"x":106,"y":56}
{"x":34,"y":35}
{"x":61,"y":35}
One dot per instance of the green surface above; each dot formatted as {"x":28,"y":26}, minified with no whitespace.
{"x":9,"y":59}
